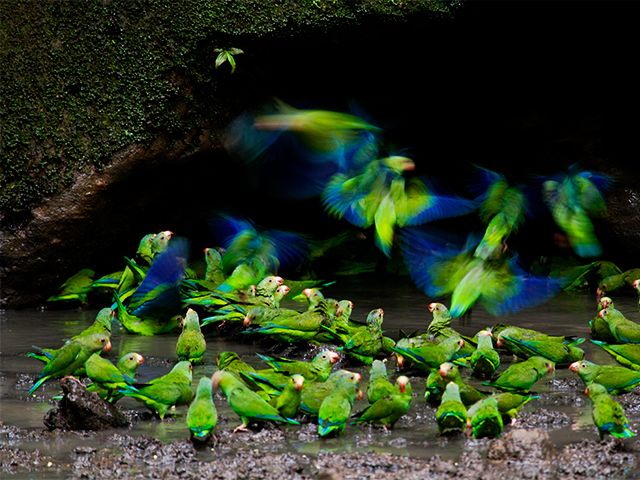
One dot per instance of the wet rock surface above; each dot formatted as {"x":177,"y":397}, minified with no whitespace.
{"x":80,"y":409}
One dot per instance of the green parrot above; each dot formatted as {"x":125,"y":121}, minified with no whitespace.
{"x":319,"y":368}
{"x":191,"y":344}
{"x":599,"y":325}
{"x":313,"y":393}
{"x":627,"y":354}
{"x":108,"y":378}
{"x":288,"y":402}
{"x":70,"y":357}
{"x":387,"y":410}
{"x":607,"y":414}
{"x":572,"y":198}
{"x":559,"y":353}
{"x":430,"y":356}
{"x":469,"y":394}
{"x":213,"y":274}
{"x":510,"y":403}
{"x":615,"y":378}
{"x":610,"y":283}
{"x":146,"y":326}
{"x":75,"y":288}
{"x":502,"y":332}
{"x":101,"y":324}
{"x":367,"y":342}
{"x":621,"y":328}
{"x":485,"y":360}
{"x":246,"y":403}
{"x":379,"y":384}
{"x":451,"y":415}
{"x":521,"y":376}
{"x":435,"y":386}
{"x":161,"y":393}
{"x":202,"y":415}
{"x":484,"y":419}
{"x":335,"y":409}
{"x":232,"y":363}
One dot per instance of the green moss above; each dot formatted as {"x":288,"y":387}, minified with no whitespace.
{"x":82,"y":80}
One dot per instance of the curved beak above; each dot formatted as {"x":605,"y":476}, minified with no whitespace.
{"x":334,"y":357}
{"x":399,"y":360}
{"x":432,"y":307}
{"x":246,"y":321}
{"x":601,"y":313}
{"x":636,"y":283}
{"x":360,"y":395}
{"x":574,"y":366}
{"x":139,"y":359}
{"x":550,"y":368}
{"x":107,"y":347}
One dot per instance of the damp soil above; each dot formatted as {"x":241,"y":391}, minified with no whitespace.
{"x":554,"y":436}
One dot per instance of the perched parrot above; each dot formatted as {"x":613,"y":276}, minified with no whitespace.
{"x":101,"y":324}
{"x":484,"y":419}
{"x":622,"y":329}
{"x":107,"y":378}
{"x":572,"y":199}
{"x":162,"y":393}
{"x":558,"y":352}
{"x":607,"y":414}
{"x":521,"y":376}
{"x":510,"y":403}
{"x":379,"y":384}
{"x":435,"y":386}
{"x":430,"y":356}
{"x":246,"y":403}
{"x":366,"y":343}
{"x":191,"y":345}
{"x":387,"y":410}
{"x":75,"y":288}
{"x":485,"y":360}
{"x":202,"y":415}
{"x":599,"y":325}
{"x":288,"y":402}
{"x":70,"y":357}
{"x":335,"y":409}
{"x":468,"y":393}
{"x":451,"y":415}
{"x":319,"y":368}
{"x":616,"y":379}
{"x":627,"y":354}
{"x":314,"y":393}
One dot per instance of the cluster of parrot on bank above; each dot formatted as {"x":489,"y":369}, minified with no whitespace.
{"x":160,"y":289}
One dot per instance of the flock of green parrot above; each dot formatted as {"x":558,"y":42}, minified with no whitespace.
{"x":158,"y":291}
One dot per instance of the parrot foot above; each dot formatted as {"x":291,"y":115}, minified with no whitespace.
{"x":513,"y":421}
{"x":240,"y":428}
{"x":221,"y":324}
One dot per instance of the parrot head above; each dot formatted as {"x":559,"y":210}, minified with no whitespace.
{"x":298,"y":381}
{"x":605,"y":302}
{"x":402,"y":382}
{"x":636,"y":283}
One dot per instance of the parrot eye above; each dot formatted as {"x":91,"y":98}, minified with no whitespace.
{"x":102,"y":340}
{"x":583,"y":365}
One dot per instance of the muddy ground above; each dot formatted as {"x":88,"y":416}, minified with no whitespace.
{"x":525,"y":450}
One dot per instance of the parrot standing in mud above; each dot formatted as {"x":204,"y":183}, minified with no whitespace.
{"x":202,"y":415}
{"x":485,"y":360}
{"x":615,"y":378}
{"x":319,"y":368}
{"x":162,"y":393}
{"x":468,"y":393}
{"x":622,"y":329}
{"x":70,"y":357}
{"x":510,"y":403}
{"x":484,"y":419}
{"x":607,"y":414}
{"x":451,"y":415}
{"x":314,"y":393}
{"x":521,"y":376}
{"x":335,"y":409}
{"x":627,"y":354}
{"x":246,"y":403}
{"x":288,"y":402}
{"x":108,"y":378}
{"x":388,"y":409}
{"x":101,"y":324}
{"x":191,"y":344}
{"x":430,"y":356}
